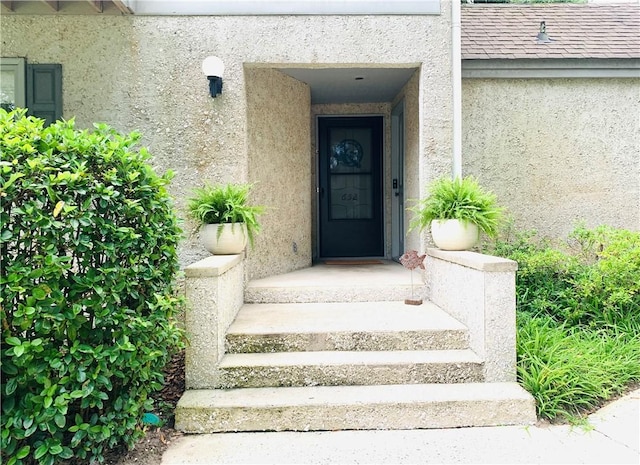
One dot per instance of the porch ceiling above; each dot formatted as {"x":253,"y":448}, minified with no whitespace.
{"x":352,"y":85}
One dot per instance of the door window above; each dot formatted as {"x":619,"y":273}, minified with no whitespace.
{"x":350,"y":173}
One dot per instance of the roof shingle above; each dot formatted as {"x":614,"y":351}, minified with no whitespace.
{"x":576,"y":31}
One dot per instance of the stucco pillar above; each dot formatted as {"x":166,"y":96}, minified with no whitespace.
{"x":214,"y":289}
{"x":479,"y":291}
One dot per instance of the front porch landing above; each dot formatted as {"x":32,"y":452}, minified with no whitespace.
{"x":386,"y":281}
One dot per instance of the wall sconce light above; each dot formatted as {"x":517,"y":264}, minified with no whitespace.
{"x":213,"y":68}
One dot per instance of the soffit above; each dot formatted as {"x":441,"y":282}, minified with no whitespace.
{"x":352,"y":85}
{"x":224,"y":7}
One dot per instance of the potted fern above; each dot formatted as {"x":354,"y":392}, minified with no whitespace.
{"x":226,"y":219}
{"x":457,"y":210}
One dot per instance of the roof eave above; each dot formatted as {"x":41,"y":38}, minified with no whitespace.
{"x":551,"y":68}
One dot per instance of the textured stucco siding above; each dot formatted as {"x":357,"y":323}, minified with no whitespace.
{"x":413,"y":181}
{"x":556,"y":151}
{"x":279,"y":139}
{"x":214,"y":288}
{"x":143,"y":73}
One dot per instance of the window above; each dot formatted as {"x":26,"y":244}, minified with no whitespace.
{"x":37,"y":87}
{"x":12,"y":83}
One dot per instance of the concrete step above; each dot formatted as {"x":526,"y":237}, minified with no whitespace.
{"x":334,"y":368}
{"x":358,"y":326}
{"x":254,"y":294}
{"x":387,"y":281}
{"x":330,"y":408}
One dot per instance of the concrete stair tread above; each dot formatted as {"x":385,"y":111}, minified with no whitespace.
{"x":274,"y":397}
{"x":324,"y":358}
{"x":386,"y":273}
{"x":388,"y":281}
{"x":348,"y":368}
{"x":288,"y":318}
{"x":329,"y":408}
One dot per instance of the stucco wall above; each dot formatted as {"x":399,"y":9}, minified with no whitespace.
{"x":143,"y":73}
{"x":556,"y":151}
{"x":280,"y":167}
{"x":412,"y":156}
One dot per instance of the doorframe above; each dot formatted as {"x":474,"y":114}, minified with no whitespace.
{"x":398,"y":135}
{"x":383,"y":177}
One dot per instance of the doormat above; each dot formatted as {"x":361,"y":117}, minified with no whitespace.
{"x":352,"y":262}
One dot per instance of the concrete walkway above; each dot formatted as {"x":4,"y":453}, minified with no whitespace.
{"x":613,"y":438}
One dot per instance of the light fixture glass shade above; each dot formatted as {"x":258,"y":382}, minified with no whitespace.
{"x":213,"y":66}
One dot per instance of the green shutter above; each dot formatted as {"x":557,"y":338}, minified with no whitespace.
{"x":44,"y":91}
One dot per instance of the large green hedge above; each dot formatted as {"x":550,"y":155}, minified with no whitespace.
{"x":88,"y":245}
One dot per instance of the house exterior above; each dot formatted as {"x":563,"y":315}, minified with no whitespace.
{"x":552,"y":125}
{"x":341,"y":112}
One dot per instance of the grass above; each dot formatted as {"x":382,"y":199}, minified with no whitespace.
{"x":578,"y":318}
{"x":571,"y":371}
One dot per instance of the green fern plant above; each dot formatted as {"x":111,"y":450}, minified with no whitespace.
{"x":228,"y":203}
{"x":458,"y":199}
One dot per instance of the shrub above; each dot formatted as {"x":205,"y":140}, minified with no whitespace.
{"x":594,"y":282}
{"x":578,"y":317}
{"x":610,"y":286}
{"x":88,"y":244}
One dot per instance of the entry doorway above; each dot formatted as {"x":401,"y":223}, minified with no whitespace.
{"x":350,"y":203}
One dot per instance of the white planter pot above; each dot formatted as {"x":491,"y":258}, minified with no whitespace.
{"x":231,"y":240}
{"x":454,"y":234}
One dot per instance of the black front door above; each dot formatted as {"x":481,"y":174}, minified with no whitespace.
{"x":350,"y":175}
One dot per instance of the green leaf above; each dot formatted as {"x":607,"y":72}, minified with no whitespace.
{"x":60,"y":420}
{"x":13,"y":341}
{"x":29,"y":431}
{"x":8,"y":403}
{"x":13,"y":178}
{"x":56,"y":449}
{"x":39,"y":293}
{"x":11,"y":386}
{"x":66,"y":453}
{"x":23,"y":452}
{"x":41,"y":451}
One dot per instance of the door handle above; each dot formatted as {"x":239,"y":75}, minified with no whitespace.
{"x":396,"y":187}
